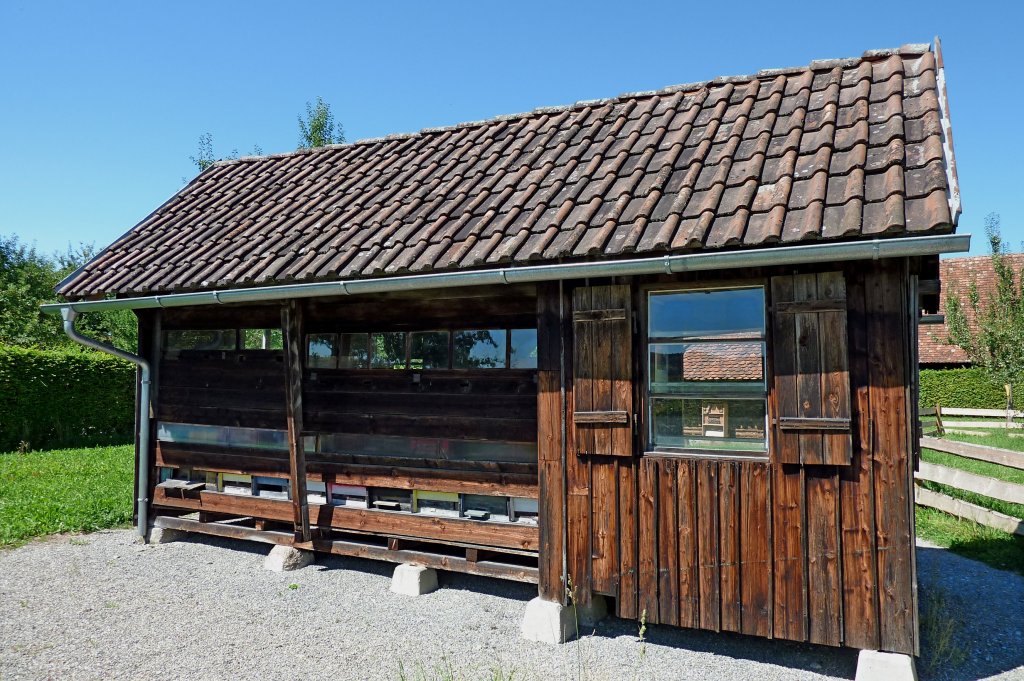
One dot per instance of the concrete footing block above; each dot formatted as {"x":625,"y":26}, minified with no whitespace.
{"x":413,"y":580}
{"x":874,"y":665}
{"x":548,"y":621}
{"x":164,"y":535}
{"x":592,"y":613}
{"x":286,"y":558}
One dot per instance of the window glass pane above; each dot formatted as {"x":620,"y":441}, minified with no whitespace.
{"x":322,"y":351}
{"x":253,"y":438}
{"x":388,"y":350}
{"x":483,"y":349}
{"x":524,"y":348}
{"x":219,"y":339}
{"x":428,"y":448}
{"x":727,"y":425}
{"x":354,"y":351}
{"x":428,"y":350}
{"x":262,"y":339}
{"x":732,"y":313}
{"x":712,"y":368}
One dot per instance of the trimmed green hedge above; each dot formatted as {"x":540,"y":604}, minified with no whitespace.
{"x":965,"y":388}
{"x":64,"y":398}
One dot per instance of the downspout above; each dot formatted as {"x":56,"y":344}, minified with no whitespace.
{"x":142,"y":501}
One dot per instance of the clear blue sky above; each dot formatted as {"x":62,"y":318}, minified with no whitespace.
{"x":103,"y":103}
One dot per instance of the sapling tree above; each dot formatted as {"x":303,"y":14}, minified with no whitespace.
{"x":318,"y":129}
{"x":995,"y":339}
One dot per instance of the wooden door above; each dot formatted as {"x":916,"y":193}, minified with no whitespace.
{"x":602,"y":469}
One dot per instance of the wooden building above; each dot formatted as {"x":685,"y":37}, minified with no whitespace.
{"x":658,"y":348}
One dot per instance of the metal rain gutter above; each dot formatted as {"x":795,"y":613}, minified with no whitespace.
{"x":142,"y":500}
{"x":897,"y":247}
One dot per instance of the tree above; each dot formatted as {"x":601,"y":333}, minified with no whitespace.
{"x":319,"y":129}
{"x":28,"y":279}
{"x":996,"y":341}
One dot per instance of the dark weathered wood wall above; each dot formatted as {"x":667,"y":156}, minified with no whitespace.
{"x":802,"y":551}
{"x":248,"y":389}
{"x":807,"y":552}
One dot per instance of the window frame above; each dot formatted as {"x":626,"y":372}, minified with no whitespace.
{"x":409,"y":332}
{"x":644,"y":370}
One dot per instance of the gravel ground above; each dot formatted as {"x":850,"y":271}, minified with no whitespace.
{"x":100,"y":606}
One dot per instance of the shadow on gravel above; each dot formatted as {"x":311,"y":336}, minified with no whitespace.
{"x":799,"y":657}
{"x":972,"y":618}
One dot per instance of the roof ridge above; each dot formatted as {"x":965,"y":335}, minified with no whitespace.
{"x":908,"y":49}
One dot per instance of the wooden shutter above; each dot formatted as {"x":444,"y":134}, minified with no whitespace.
{"x":811,"y":367}
{"x":602,"y":370}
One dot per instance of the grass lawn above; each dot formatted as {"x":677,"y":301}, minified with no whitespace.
{"x":64,"y":490}
{"x":994,"y":547}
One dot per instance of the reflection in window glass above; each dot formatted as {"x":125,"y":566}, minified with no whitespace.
{"x":321,"y":353}
{"x":524,"y":348}
{"x":353,"y":350}
{"x":737,"y":425}
{"x":388,"y":350}
{"x":428,"y":350}
{"x":706,"y":370}
{"x":482,"y":349}
{"x":731,"y":313}
{"x":253,"y":438}
{"x":262,"y":339}
{"x":445,"y":449}
{"x":219,"y":339}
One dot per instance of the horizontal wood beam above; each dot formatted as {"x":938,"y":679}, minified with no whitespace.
{"x":489,"y":568}
{"x":797,"y":423}
{"x":508,"y":535}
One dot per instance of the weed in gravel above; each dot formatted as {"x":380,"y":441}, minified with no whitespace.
{"x":446,"y":670}
{"x":293,"y":586}
{"x":940,"y":626}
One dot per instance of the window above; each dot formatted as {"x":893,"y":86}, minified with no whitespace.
{"x":216,"y":339}
{"x":388,"y":350}
{"x":483,"y":349}
{"x":706,"y":370}
{"x":353,"y":350}
{"x":419,"y":350}
{"x":523,"y":354}
{"x":262,"y":339}
{"x":322,"y":351}
{"x":428,"y":350}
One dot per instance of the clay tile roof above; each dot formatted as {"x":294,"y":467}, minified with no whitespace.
{"x":956,"y":275}
{"x":839,"y":149}
{"x":723,"y":362}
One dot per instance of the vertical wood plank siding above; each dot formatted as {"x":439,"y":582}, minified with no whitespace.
{"x":816,"y":550}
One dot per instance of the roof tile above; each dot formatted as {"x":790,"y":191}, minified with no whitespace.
{"x":845,"y":148}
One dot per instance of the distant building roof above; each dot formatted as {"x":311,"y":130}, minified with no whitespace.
{"x":837,"y":150}
{"x":956,"y":275}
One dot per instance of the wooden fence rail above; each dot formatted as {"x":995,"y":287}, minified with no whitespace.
{"x":969,"y":511}
{"x":970,"y":482}
{"x":979,"y":484}
{"x":1004,"y":457}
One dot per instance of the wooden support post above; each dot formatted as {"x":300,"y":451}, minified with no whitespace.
{"x":292,"y":325}
{"x":550,"y":445}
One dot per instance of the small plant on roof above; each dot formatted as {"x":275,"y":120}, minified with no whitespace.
{"x":318,"y":129}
